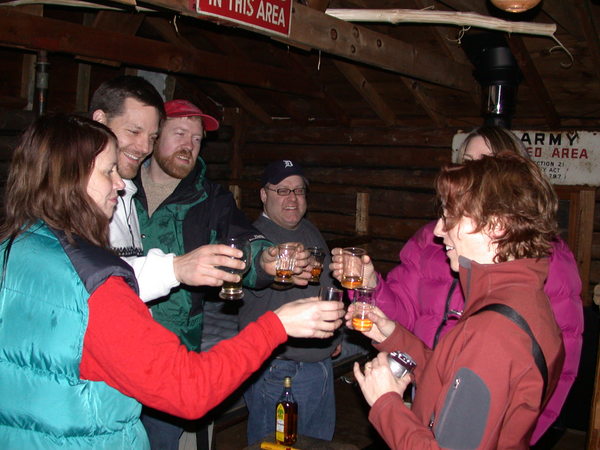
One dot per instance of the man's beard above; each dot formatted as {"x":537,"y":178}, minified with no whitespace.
{"x":170,"y":166}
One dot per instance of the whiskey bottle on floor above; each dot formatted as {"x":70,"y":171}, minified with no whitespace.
{"x":286,"y":415}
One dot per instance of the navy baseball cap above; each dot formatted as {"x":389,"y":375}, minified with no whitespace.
{"x":280,"y":170}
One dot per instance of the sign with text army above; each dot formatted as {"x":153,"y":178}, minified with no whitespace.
{"x":566,"y":157}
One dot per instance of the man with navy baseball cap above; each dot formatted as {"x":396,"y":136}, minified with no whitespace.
{"x":283,"y":194}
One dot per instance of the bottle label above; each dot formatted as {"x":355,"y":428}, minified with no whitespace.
{"x":280,"y":424}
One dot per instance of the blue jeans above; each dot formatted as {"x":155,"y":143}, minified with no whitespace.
{"x":312,"y":388}
{"x":163,"y":430}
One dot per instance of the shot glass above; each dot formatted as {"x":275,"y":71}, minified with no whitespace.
{"x":364,"y":302}
{"x":331,"y":293}
{"x":316,"y":258}
{"x":231,"y":290}
{"x":352,"y":273}
{"x":284,"y":265}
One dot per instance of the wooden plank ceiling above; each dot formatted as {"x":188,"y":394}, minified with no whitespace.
{"x":328,"y":72}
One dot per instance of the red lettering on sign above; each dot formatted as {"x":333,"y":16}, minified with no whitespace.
{"x":272,"y":15}
{"x":570,"y":153}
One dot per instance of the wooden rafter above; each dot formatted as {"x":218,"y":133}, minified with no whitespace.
{"x":167,"y":31}
{"x":591,"y":35}
{"x":331,"y":103}
{"x":534,"y":80}
{"x":426,"y":101}
{"x":24,"y":30}
{"x":466,"y":19}
{"x":313,"y":29}
{"x":563,"y":14}
{"x":358,"y":80}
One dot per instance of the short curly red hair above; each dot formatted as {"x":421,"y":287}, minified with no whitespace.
{"x":506,"y":192}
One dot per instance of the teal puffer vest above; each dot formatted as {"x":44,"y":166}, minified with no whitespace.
{"x":43,"y":319}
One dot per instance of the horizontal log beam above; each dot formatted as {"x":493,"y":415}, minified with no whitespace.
{"x":35,"y":33}
{"x":313,"y":29}
{"x":405,"y":136}
{"x":356,"y":155}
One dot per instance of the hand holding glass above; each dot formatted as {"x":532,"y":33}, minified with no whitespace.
{"x":316,"y":258}
{"x":363,"y":303}
{"x":233,"y":290}
{"x":284,"y":265}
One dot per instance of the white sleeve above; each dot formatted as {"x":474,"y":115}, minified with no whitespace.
{"x":155,"y":273}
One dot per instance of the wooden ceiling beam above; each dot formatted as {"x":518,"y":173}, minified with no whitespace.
{"x":114,"y":21}
{"x":313,"y":29}
{"x":425,"y":101}
{"x":358,"y":80}
{"x":564,"y":15}
{"x":429,"y":104}
{"x":534,"y":80}
{"x":247,"y":104}
{"x":31,"y":32}
{"x":330,"y":102}
{"x":167,"y":31}
{"x":591,"y":35}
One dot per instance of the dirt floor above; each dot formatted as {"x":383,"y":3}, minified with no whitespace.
{"x":353,"y":427}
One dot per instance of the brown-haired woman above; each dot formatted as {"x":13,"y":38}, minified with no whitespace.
{"x":482,"y":386}
{"x":80,"y":350}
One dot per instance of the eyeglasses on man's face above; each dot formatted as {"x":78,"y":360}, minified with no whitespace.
{"x":284,"y":192}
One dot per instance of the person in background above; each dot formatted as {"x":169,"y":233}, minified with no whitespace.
{"x":179,"y":209}
{"x":423,"y":294}
{"x":485,"y":383}
{"x":307,"y":361}
{"x":75,"y":333}
{"x":132,"y":108}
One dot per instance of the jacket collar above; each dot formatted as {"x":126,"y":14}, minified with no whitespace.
{"x":482,"y":283}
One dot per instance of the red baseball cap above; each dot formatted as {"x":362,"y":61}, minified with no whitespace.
{"x":183,"y":108}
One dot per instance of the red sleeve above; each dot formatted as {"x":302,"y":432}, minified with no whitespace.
{"x":124,"y":347}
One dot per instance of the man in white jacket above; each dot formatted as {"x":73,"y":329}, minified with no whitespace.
{"x":132,"y":108}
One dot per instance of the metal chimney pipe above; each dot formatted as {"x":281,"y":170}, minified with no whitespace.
{"x":499,"y":75}
{"x":41,"y":83}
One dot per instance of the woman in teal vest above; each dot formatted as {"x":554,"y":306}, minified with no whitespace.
{"x":79,"y":350}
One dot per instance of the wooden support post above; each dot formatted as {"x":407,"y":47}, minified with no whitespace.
{"x":83,"y":87}
{"x":362,"y":213}
{"x":239,"y":139}
{"x":237,"y":194}
{"x":584,"y":248}
{"x":593,"y":441}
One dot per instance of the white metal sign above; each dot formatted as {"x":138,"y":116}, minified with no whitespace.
{"x":566,"y":157}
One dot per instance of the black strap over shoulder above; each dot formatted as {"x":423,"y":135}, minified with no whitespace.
{"x":536,"y":350}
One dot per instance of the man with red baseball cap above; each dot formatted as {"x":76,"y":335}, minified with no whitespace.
{"x":133,"y":109}
{"x":179,"y":209}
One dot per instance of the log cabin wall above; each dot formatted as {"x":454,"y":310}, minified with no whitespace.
{"x":365,"y":108}
{"x":396,"y":168}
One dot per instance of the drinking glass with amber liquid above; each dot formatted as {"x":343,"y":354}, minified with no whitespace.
{"x":286,"y":416}
{"x":353,"y":267}
{"x":233,"y":290}
{"x":285,"y":263}
{"x":363,"y":303}
{"x":315,"y":259}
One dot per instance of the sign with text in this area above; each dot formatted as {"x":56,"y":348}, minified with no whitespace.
{"x":566,"y":157}
{"x":271,"y":15}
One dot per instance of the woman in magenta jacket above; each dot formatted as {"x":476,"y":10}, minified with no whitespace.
{"x":423,"y":295}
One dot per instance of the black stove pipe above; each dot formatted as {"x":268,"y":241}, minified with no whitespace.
{"x":499,"y":75}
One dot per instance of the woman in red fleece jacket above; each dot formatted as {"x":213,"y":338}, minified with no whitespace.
{"x":481,"y":387}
